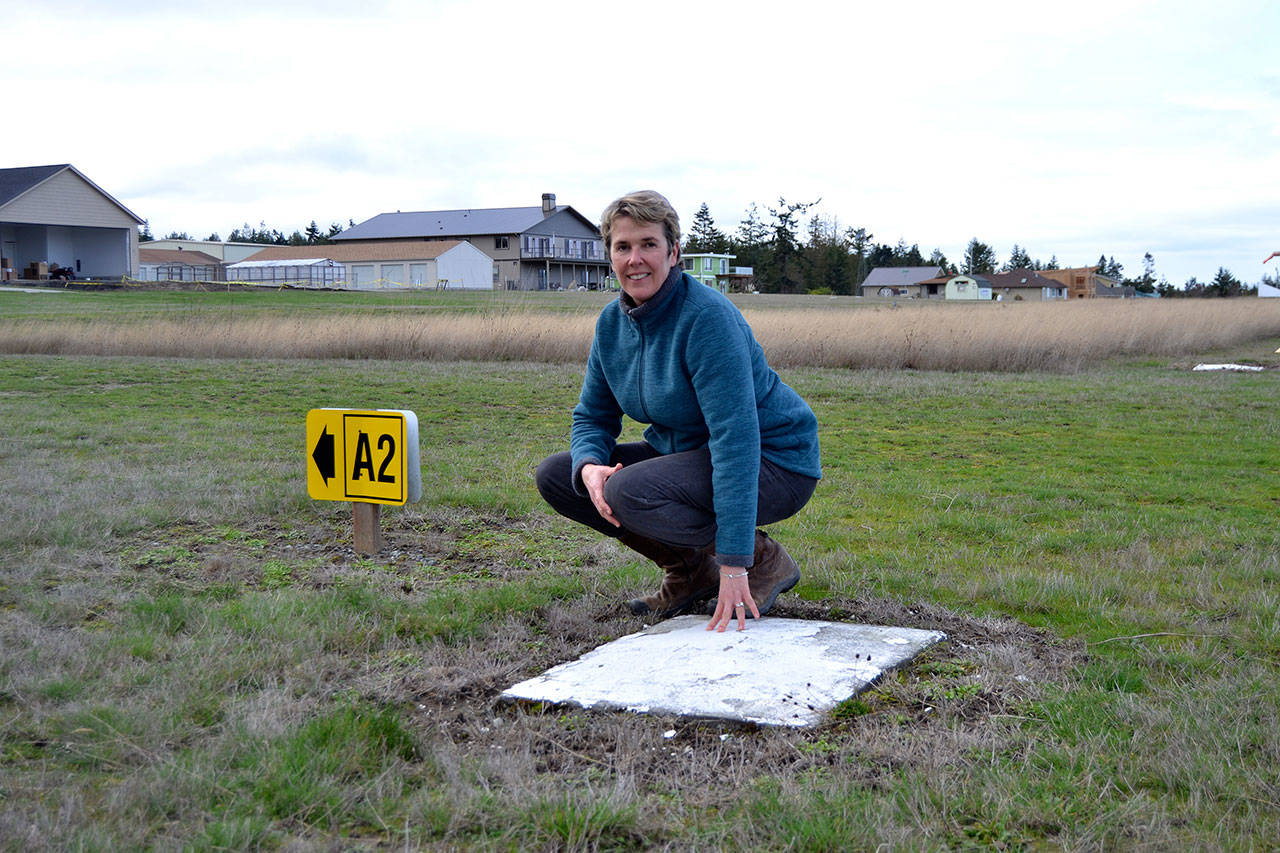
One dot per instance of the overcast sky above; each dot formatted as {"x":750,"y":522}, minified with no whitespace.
{"x":1116,"y":127}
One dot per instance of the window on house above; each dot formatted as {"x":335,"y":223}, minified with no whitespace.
{"x":724,"y":266}
{"x":501,"y":242}
{"x":688,"y":264}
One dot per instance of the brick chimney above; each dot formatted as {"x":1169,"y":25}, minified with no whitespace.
{"x":548,"y":203}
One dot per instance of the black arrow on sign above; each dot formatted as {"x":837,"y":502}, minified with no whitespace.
{"x":323,"y":455}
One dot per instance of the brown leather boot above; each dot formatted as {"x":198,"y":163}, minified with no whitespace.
{"x":772,"y":573}
{"x":692,"y":576}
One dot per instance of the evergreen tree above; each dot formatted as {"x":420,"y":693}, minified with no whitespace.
{"x":1147,"y":283}
{"x":704,"y":236}
{"x":177,"y":235}
{"x":781,"y":272}
{"x":1223,"y":284}
{"x":1110,"y":268}
{"x":827,"y":262}
{"x":145,"y":236}
{"x":1018,"y":260}
{"x":313,"y":234}
{"x":937,"y":259}
{"x":979,"y":257}
{"x":907,"y":256}
{"x":214,"y":238}
{"x":749,"y":243}
{"x":881,"y":256}
{"x":859,"y":242}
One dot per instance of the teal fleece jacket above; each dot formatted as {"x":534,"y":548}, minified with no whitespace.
{"x":685,"y":363}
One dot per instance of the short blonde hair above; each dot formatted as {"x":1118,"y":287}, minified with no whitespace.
{"x":642,"y":206}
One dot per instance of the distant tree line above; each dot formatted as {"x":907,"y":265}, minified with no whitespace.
{"x":310,"y":236}
{"x":825,"y":258}
{"x":829,"y":258}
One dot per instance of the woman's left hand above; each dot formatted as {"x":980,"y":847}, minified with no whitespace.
{"x":735,"y":599}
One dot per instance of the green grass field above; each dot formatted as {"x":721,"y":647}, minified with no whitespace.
{"x":193,"y":657}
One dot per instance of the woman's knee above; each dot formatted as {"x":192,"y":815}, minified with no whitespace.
{"x":625,"y":492}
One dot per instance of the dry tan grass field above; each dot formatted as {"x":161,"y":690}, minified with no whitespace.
{"x":796,"y":332}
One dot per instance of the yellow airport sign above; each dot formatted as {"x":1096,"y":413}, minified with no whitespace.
{"x":363,"y":456}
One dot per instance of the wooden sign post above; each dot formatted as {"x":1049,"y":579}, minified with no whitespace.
{"x":368,"y":536}
{"x":368,"y":457}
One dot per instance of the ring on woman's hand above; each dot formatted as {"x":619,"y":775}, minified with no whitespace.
{"x":739,"y":604}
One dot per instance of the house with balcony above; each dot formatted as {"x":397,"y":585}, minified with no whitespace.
{"x":715,"y":270}
{"x":709,"y":268}
{"x":548,"y":247}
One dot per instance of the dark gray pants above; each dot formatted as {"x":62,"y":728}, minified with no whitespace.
{"x":666,"y":498}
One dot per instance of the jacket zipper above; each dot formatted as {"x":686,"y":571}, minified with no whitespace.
{"x":640,"y":373}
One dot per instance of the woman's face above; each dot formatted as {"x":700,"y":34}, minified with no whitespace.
{"x":640,"y":256}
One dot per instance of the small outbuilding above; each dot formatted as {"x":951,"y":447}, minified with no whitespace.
{"x":973,"y":287}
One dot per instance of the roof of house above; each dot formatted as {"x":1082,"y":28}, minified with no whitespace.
{"x":175,"y":256}
{"x":454,"y":223}
{"x":900,"y":276}
{"x":22,"y":179}
{"x":356,"y":252}
{"x":1021,"y":278}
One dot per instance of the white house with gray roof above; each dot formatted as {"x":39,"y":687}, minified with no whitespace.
{"x":548,"y":247}
{"x":55,"y":215}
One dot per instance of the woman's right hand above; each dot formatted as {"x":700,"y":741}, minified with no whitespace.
{"x":594,"y":477}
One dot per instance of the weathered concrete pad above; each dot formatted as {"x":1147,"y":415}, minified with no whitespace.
{"x":778,"y":672}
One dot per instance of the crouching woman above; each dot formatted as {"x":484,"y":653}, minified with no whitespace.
{"x":729,"y":446}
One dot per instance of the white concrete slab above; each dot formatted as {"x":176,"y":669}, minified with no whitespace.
{"x":778,"y":672}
